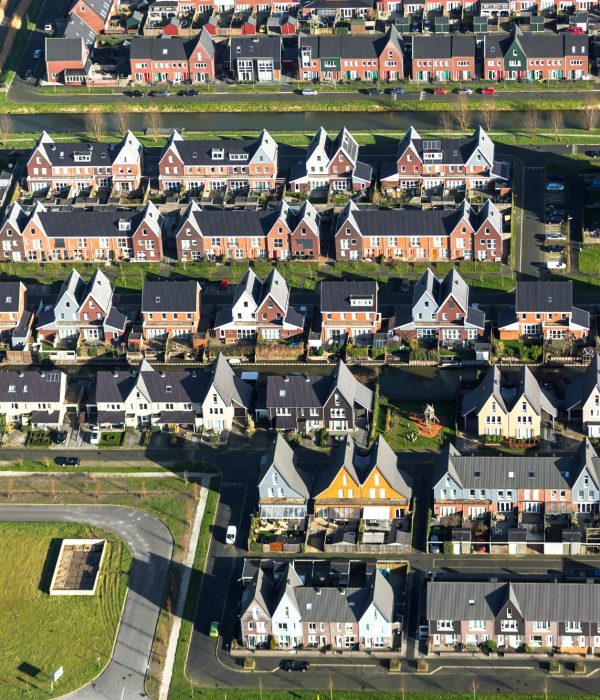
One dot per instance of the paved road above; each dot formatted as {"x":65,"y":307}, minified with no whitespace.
{"x":151,"y":545}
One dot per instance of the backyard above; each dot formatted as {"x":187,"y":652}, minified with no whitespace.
{"x":40,"y":633}
{"x":398,"y":422}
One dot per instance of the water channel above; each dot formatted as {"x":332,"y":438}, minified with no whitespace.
{"x":292,"y":121}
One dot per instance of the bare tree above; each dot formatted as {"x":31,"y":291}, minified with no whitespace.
{"x":589,"y":117}
{"x":474,"y":688}
{"x":330,"y":686}
{"x":462,"y":113}
{"x":488,"y":116}
{"x":5,"y":127}
{"x":402,"y":687}
{"x":260,"y":687}
{"x":557,"y":123}
{"x":95,"y":124}
{"x":446,"y":122}
{"x":532,"y":123}
{"x":153,"y":121}
{"x":546,"y":684}
{"x":121,"y":119}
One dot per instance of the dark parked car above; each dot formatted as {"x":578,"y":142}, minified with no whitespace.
{"x":396,"y":91}
{"x":67,"y":461}
{"x":136,"y":93}
{"x":289,"y":666}
{"x":159,"y":93}
{"x":188,"y":93}
{"x":59,"y":437}
{"x":374,"y":91}
{"x":555,"y":248}
{"x":592,"y":154}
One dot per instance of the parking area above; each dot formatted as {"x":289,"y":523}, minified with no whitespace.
{"x":555,"y":243}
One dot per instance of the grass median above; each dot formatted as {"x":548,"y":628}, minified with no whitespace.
{"x":40,"y":633}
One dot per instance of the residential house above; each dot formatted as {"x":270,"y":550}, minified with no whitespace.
{"x":300,"y":606}
{"x":338,"y":403}
{"x":94,"y":13}
{"x":45,"y":234}
{"x":221,"y":166}
{"x":170,"y":310}
{"x":32,"y":397}
{"x":433,"y":234}
{"x":259,"y":309}
{"x":443,"y":58}
{"x":472,"y":485}
{"x":513,"y":410}
{"x":440,"y":310}
{"x":347,"y":57}
{"x":536,"y":56}
{"x":331,"y":164}
{"x":83,"y":311}
{"x":440,"y":165}
{"x":277,"y":234}
{"x":349,"y":311}
{"x":195,"y":399}
{"x":67,"y":60}
{"x":85,"y":166}
{"x":15,"y":318}
{"x":544,"y":310}
{"x":173,"y":60}
{"x":363,"y":485}
{"x":582,"y":397}
{"x":339,"y":9}
{"x":561,"y":616}
{"x":253,"y":58}
{"x":283,"y":488}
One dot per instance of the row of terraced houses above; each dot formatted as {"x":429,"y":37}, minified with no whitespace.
{"x":389,"y":56}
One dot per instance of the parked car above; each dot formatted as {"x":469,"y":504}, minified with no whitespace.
{"x":159,"y":93}
{"x":555,"y":248}
{"x":463,"y":91}
{"x":556,"y":265}
{"x":592,"y":154}
{"x":556,"y":218}
{"x":415,"y":27}
{"x":67,"y":461}
{"x":423,"y":632}
{"x":214,"y":629}
{"x":231,"y":534}
{"x":405,"y":286}
{"x":37,"y":53}
{"x":555,"y":187}
{"x":309,"y":92}
{"x":16,"y":153}
{"x":440,"y":91}
{"x":574,"y":29}
{"x":426,"y":25}
{"x":136,"y":93}
{"x":488,"y":91}
{"x":289,"y":666}
{"x":396,"y":91}
{"x":188,"y":93}
{"x":48,"y":27}
{"x":435,"y":546}
{"x":555,"y":237}
{"x":374,"y":91}
{"x":59,"y":437}
{"x":95,"y":437}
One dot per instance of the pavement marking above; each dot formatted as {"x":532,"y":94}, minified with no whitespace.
{"x":486,"y":667}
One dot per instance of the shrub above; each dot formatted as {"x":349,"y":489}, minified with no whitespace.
{"x":394,"y":665}
{"x":553,"y":667}
{"x":491,"y":645}
{"x":249,"y":664}
{"x":579,"y":667}
{"x":321,"y":351}
{"x":525,"y":648}
{"x":324,"y":438}
{"x":422,"y":666}
{"x":273,"y":643}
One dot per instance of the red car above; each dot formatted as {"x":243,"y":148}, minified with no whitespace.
{"x":439,"y":91}
{"x":488,"y":91}
{"x":576,"y":30}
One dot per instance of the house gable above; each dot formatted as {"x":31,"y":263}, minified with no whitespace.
{"x":337,"y":483}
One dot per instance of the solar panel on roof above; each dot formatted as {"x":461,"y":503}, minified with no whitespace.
{"x":432,"y":145}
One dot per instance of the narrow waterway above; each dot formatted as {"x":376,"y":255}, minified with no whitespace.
{"x":303,"y":121}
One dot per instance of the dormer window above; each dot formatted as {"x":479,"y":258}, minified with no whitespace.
{"x":169,"y":389}
{"x":158,"y":300}
{"x":218,"y":154}
{"x":509,"y":613}
{"x":124,"y":225}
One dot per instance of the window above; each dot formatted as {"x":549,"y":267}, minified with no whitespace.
{"x":445,"y":625}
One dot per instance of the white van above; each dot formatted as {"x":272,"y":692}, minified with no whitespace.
{"x":231,"y":535}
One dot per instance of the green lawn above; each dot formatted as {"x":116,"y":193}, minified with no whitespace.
{"x":324,"y":694}
{"x":112,"y":439}
{"x":589,"y":260}
{"x":39,"y":633}
{"x":400,"y":428}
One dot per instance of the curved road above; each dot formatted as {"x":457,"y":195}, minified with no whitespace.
{"x":151,"y":545}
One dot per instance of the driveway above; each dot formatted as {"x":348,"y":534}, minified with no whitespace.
{"x":151,"y":545}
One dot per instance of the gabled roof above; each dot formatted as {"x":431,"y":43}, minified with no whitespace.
{"x":197,"y":152}
{"x":170,"y":296}
{"x":102,"y":8}
{"x":255,"y":47}
{"x":31,"y":385}
{"x":283,"y":458}
{"x":471,"y":600}
{"x":77,"y":29}
{"x":577,"y":393}
{"x":228,"y":385}
{"x":276,"y":288}
{"x":349,"y":46}
{"x":544,"y":296}
{"x":249,"y":284}
{"x":10,"y":297}
{"x":337,"y":296}
{"x":452,"y":285}
{"x":439,"y":46}
{"x":508,"y":395}
{"x":453,"y":151}
{"x":65,"y":49}
{"x":587,"y":458}
{"x":349,"y":387}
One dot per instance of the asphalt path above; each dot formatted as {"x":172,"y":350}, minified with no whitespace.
{"x":151,"y":545}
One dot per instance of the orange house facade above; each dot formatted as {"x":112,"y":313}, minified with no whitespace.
{"x":356,"y":487}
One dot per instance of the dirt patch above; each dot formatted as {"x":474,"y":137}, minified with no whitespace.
{"x":428,"y":431}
